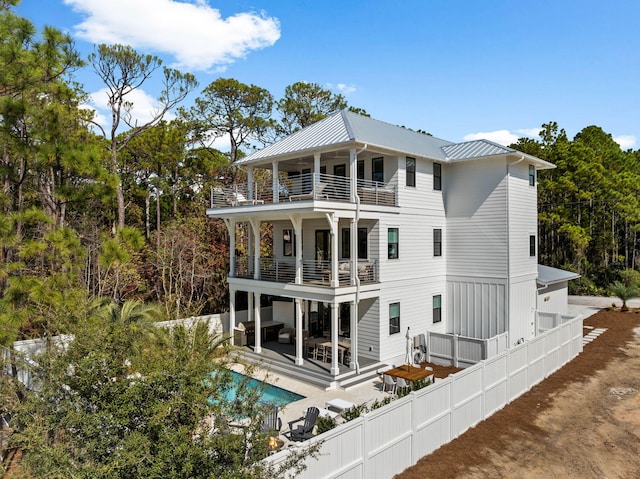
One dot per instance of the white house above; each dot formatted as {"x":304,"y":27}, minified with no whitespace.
{"x":377,"y":229}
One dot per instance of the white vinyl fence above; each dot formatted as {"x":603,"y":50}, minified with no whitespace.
{"x":386,"y":441}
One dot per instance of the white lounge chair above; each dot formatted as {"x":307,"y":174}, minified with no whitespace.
{"x":314,"y":194}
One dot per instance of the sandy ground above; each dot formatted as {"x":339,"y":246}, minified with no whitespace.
{"x":582,"y":422}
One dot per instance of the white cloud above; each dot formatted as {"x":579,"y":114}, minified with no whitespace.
{"x":194,"y":33}
{"x":531,"y":132}
{"x":342,"y":87}
{"x":625,"y":141}
{"x":502,"y":137}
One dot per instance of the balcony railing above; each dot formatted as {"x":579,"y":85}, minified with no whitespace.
{"x":313,"y":272}
{"x":307,"y":187}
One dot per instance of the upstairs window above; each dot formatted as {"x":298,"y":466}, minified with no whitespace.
{"x":532,"y":175}
{"x":437,"y":308}
{"x":362,"y":243}
{"x":437,"y":242}
{"x":377,"y":169}
{"x":437,"y":176}
{"x":394,"y":318}
{"x":360,"y":169}
{"x":392,"y":243}
{"x":411,"y":171}
{"x":532,"y":245}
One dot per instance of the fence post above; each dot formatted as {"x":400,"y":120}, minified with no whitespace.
{"x":455,"y":350}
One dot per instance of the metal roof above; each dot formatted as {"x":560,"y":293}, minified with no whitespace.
{"x":548,"y":275}
{"x":475,"y":149}
{"x":346,"y":129}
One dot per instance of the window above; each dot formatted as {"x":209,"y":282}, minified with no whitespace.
{"x":437,"y":242}
{"x":288,"y":243}
{"x":437,"y":308}
{"x":532,"y":245}
{"x":394,"y":318}
{"x":532,"y":175}
{"x":411,"y":171}
{"x":362,"y":243}
{"x":392,"y":243}
{"x":340,"y":170}
{"x":377,"y":169}
{"x":360,"y":169}
{"x":437,"y":176}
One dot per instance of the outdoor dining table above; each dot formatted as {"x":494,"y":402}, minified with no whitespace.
{"x":409,"y":373}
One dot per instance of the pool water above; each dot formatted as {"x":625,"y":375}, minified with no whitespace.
{"x":270,"y":394}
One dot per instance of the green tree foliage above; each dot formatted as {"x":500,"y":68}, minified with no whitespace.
{"x":589,"y":213}
{"x":306,"y":103}
{"x":231,"y":109}
{"x":126,"y":399}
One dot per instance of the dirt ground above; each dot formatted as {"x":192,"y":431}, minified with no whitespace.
{"x":583,"y":421}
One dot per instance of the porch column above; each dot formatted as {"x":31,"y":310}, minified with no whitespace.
{"x":232,"y":314}
{"x":353,"y":173}
{"x":275,"y":182}
{"x":249,"y":249}
{"x":231,"y":227}
{"x":316,"y":168}
{"x":335,"y":368}
{"x":296,"y":222}
{"x":257,"y":319}
{"x":353,"y":334}
{"x":250,"y":183}
{"x":333,"y":225}
{"x":255,"y":228}
{"x":299,"y":339}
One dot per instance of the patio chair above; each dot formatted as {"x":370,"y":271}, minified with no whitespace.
{"x":272,"y":423}
{"x":286,"y":335}
{"x":314,"y":194}
{"x":401,"y":384}
{"x":304,"y":431}
{"x":388,"y":383}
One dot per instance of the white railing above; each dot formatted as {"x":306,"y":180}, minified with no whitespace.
{"x":310,"y":186}
{"x":547,"y":321}
{"x":386,"y":441}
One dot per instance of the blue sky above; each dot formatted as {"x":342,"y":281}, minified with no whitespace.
{"x":460,"y":70}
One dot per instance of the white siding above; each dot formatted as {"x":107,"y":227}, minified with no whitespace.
{"x":523,"y":221}
{"x":554,"y":299}
{"x":368,"y":328}
{"x":422,"y":196}
{"x":476,"y":209}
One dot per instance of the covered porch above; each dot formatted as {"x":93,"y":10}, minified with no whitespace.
{"x":314,"y":330}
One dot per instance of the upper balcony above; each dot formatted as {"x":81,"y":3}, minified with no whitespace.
{"x":305,"y":187}
{"x":316,"y":273}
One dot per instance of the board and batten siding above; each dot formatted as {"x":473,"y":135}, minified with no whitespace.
{"x":523,"y":221}
{"x":475,"y":202}
{"x":477,"y":309}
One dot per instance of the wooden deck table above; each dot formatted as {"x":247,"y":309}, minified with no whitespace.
{"x":409,"y":373}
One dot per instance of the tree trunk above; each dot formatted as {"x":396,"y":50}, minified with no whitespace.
{"x":147,"y":214}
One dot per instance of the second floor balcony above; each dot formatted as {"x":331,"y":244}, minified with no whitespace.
{"x":317,"y":273}
{"x":306,"y":187}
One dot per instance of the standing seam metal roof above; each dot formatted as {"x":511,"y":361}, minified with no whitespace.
{"x":346,"y":127}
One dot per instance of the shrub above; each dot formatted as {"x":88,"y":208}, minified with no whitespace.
{"x":324,"y":424}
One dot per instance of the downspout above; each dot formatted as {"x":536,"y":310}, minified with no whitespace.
{"x":357,"y":279}
{"x":509,"y":247}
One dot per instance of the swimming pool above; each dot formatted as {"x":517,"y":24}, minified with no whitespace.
{"x":270,"y":394}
